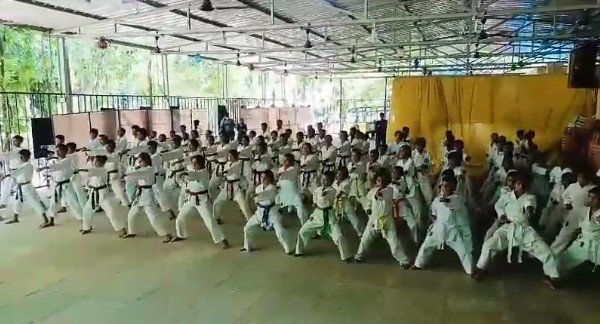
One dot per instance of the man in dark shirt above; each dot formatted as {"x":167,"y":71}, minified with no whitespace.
{"x":242,"y":128}
{"x":380,"y":129}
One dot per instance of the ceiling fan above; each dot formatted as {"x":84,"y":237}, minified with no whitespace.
{"x":208,"y":6}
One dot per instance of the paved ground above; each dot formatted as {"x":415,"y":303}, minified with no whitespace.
{"x":57,"y":276}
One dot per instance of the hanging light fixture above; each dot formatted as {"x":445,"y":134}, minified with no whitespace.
{"x":206,"y":6}
{"x":379,"y":68}
{"x":308,"y":44}
{"x":416,"y":63}
{"x":316,"y":76}
{"x":238,"y":63}
{"x":156,"y":49}
{"x":352,"y":59}
{"x":285,"y":71}
{"x":251,"y":67}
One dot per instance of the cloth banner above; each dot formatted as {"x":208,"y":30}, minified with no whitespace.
{"x":474,"y":107}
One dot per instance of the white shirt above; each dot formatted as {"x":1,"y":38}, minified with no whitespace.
{"x":344,"y":149}
{"x":324,"y":197}
{"x":407,"y":165}
{"x":576,"y":195}
{"x":265,"y":196}
{"x":421,"y":159}
{"x":309,"y":162}
{"x":61,"y":170}
{"x":23,"y":173}
{"x":328,"y":154}
{"x":515,"y":208}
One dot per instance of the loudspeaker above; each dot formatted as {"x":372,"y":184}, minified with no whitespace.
{"x":42,"y":133}
{"x":582,"y":66}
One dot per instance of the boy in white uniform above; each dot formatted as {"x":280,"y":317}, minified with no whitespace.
{"x":358,"y":177}
{"x":121,"y":143}
{"x":196,"y":190}
{"x":145,"y":198}
{"x":344,"y":150}
{"x":343,"y":207}
{"x":587,"y":245}
{"x":266,"y":214}
{"x":64,"y":193}
{"x":309,"y":164}
{"x":450,"y":227}
{"x":422,"y":162}
{"x":401,"y":207}
{"x":553,"y":215}
{"x":289,"y":192}
{"x":25,"y":193}
{"x":101,"y":196}
{"x":328,"y":155}
{"x":574,"y":197}
{"x":166,"y":191}
{"x":245,"y":154}
{"x":381,"y":221}
{"x":115,"y":170}
{"x":232,"y":188}
{"x":13,"y":158}
{"x":515,"y":231}
{"x":323,"y":220}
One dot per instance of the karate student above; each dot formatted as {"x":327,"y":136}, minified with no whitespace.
{"x":394,"y":147}
{"x":13,"y":159}
{"x":309,"y":164}
{"x":166,"y":193}
{"x":232,"y":188}
{"x":386,"y":161}
{"x":515,"y":231}
{"x":121,"y":143}
{"x":574,"y":197}
{"x":262,"y":162}
{"x":115,"y":170}
{"x":344,"y":150}
{"x":196,"y":190}
{"x":401,"y":207}
{"x":414,"y":197}
{"x":323,"y":220}
{"x":372,"y":168}
{"x":312,"y":139}
{"x":328,"y":154}
{"x":381,"y":220}
{"x":358,"y":176}
{"x":76,"y":179}
{"x":94,"y":143}
{"x":343,"y":207}
{"x":245,"y":154}
{"x":501,"y":201}
{"x":145,"y":199}
{"x":553,"y":215}
{"x":210,"y":152}
{"x":274,"y":145}
{"x":101,"y":196}
{"x":25,"y":193}
{"x":450,"y":227}
{"x":297,"y":146}
{"x":587,"y":245}
{"x":266,"y":215}
{"x":422,"y":162}
{"x":61,"y":173}
{"x":289,"y":192}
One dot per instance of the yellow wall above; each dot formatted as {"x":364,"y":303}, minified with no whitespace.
{"x":474,"y":107}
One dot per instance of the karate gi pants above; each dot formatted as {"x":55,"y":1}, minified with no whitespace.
{"x":8,"y":185}
{"x":109,"y":203}
{"x":254,"y":225}
{"x":30,"y":197}
{"x":388,"y":232}
{"x":583,"y":249}
{"x":454,"y":238}
{"x":314,"y":225}
{"x":67,"y":198}
{"x":566,"y":234}
{"x":531,"y":242}
{"x":146,"y":202}
{"x":239,"y":196}
{"x":204,"y":209}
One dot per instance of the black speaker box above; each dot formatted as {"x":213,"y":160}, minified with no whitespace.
{"x":42,"y":133}
{"x":582,"y":65}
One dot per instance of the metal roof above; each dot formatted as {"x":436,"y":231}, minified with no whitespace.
{"x":349,"y":37}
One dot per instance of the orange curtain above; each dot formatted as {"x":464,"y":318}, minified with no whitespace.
{"x":474,"y":107}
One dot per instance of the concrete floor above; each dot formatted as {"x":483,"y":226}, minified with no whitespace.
{"x":57,"y":276}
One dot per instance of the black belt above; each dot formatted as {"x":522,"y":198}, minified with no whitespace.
{"x":96,"y":195}
{"x":108,"y":175}
{"x":173,"y":173}
{"x":209,"y":166}
{"x":230,"y":184}
{"x":197,"y":195}
{"x":138,"y":191}
{"x":306,"y":177}
{"x":58,"y":190}
{"x":327,"y":166}
{"x":344,"y":160}
{"x":256,"y":177}
{"x":264,"y":223}
{"x":20,"y":190}
{"x":220,"y":168}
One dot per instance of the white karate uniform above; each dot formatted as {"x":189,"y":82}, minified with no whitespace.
{"x":552,"y":216}
{"x":289,"y":192}
{"x":121,"y":145}
{"x":357,"y":144}
{"x":344,"y":208}
{"x":576,"y":196}
{"x":101,"y":196}
{"x":135,"y":148}
{"x":296,"y":148}
{"x":266,"y":215}
{"x":587,"y":245}
{"x":344,"y":153}
{"x":423,"y":160}
{"x":196,"y":193}
{"x":25,"y":193}
{"x":245,"y":155}
{"x":518,"y":233}
{"x":451,"y":228}
{"x":115,"y":169}
{"x":499,"y":205}
{"x":145,"y":199}
{"x":260,"y":164}
{"x":64,"y":193}
{"x":358,"y":177}
{"x":94,"y":145}
{"x":381,"y":222}
{"x":328,"y":158}
{"x":323,"y":220}
{"x":13,"y":159}
{"x":168,"y":184}
{"x":309,"y":164}
{"x":401,"y":206}
{"x":232,"y":189}
{"x":415,"y":196}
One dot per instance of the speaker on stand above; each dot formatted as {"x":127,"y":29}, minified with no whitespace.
{"x":42,"y":135}
{"x":582,"y":65}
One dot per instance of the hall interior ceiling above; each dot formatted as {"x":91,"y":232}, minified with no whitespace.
{"x":330,"y":37}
